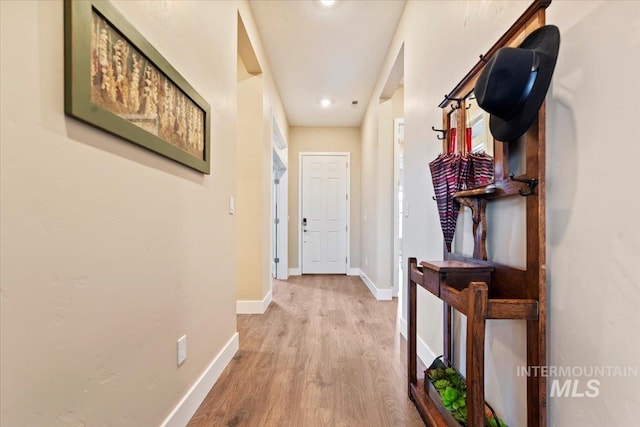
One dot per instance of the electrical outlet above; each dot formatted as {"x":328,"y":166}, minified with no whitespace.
{"x":182,"y":349}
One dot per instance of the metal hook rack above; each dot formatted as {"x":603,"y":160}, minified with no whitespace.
{"x":532,"y":183}
{"x":469,"y":99}
{"x":456,"y":101}
{"x":450,"y":98}
{"x":444,"y":133}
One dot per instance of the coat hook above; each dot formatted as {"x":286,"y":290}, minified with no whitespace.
{"x":483,"y":59}
{"x":434,"y":198}
{"x":450,"y":98}
{"x":532,"y":183}
{"x":444,"y":133}
{"x":455,"y":101}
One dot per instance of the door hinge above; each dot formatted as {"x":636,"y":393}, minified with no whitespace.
{"x":346,"y":196}
{"x":346,"y":260}
{"x":276,"y":221}
{"x":276,"y":260}
{"x":346,"y":228}
{"x":347,"y":165}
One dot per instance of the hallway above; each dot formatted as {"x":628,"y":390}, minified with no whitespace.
{"x":325,"y":353}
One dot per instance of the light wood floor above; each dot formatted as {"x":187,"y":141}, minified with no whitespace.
{"x":325,"y":353}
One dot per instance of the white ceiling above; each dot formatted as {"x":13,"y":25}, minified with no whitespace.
{"x":335,"y":52}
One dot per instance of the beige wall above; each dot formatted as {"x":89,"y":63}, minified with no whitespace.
{"x":110,"y":252}
{"x":258,"y":102}
{"x":592,"y":288}
{"x":324,"y":139}
{"x":262,"y":183}
{"x":398,"y":103}
{"x":249,"y":187}
{"x":377,"y":236}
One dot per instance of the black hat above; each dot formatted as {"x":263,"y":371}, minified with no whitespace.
{"x":515,"y":81}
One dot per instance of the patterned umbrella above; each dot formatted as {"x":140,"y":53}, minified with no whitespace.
{"x":448,"y":173}
{"x":451,"y":173}
{"x":480,"y":170}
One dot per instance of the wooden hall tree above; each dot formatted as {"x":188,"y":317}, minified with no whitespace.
{"x":473,"y":285}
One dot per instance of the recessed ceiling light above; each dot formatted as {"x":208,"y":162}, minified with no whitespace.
{"x":325,"y":102}
{"x":327,"y":3}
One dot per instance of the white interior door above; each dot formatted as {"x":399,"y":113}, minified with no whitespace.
{"x":324,"y":214}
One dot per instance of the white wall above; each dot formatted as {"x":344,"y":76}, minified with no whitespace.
{"x":593,"y":246}
{"x":593,"y":289}
{"x":376,"y":239}
{"x":111,"y":252}
{"x":383,"y":266}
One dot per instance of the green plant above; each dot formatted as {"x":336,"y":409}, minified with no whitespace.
{"x":460,"y":415}
{"x":453,"y":399}
{"x":452,"y":388}
{"x":494,"y":422}
{"x":441,"y":385}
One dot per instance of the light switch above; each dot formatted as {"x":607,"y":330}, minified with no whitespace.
{"x":182,"y":349}
{"x":232,"y":205}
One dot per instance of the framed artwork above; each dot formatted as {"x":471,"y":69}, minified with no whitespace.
{"x":115,"y":80}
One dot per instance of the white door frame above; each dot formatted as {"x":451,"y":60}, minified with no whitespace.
{"x":346,"y":154}
{"x":396,"y":206}
{"x":280,"y":173}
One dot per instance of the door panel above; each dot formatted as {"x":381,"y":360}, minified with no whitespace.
{"x":316,"y":247}
{"x":324,"y":205}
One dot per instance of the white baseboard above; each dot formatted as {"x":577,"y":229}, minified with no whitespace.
{"x":403,"y":327}
{"x":189,"y":404}
{"x":380,"y":294}
{"x":353,"y":272}
{"x":295,"y":272}
{"x":425,"y":354}
{"x":350,"y":272}
{"x":254,"y":306}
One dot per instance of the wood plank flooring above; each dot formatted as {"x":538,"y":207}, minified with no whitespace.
{"x":325,"y":353}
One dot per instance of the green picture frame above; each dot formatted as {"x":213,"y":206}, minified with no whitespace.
{"x":117,"y":81}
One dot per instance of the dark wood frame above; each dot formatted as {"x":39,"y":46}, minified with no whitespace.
{"x":483,"y":289}
{"x":77,"y":37}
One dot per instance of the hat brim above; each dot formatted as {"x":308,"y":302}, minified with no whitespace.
{"x":546,"y":42}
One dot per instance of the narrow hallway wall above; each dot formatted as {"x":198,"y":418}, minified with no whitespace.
{"x":111,"y":252}
{"x":592,"y":290}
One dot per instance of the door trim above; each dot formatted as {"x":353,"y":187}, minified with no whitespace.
{"x":346,"y":154}
{"x":396,"y":206}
